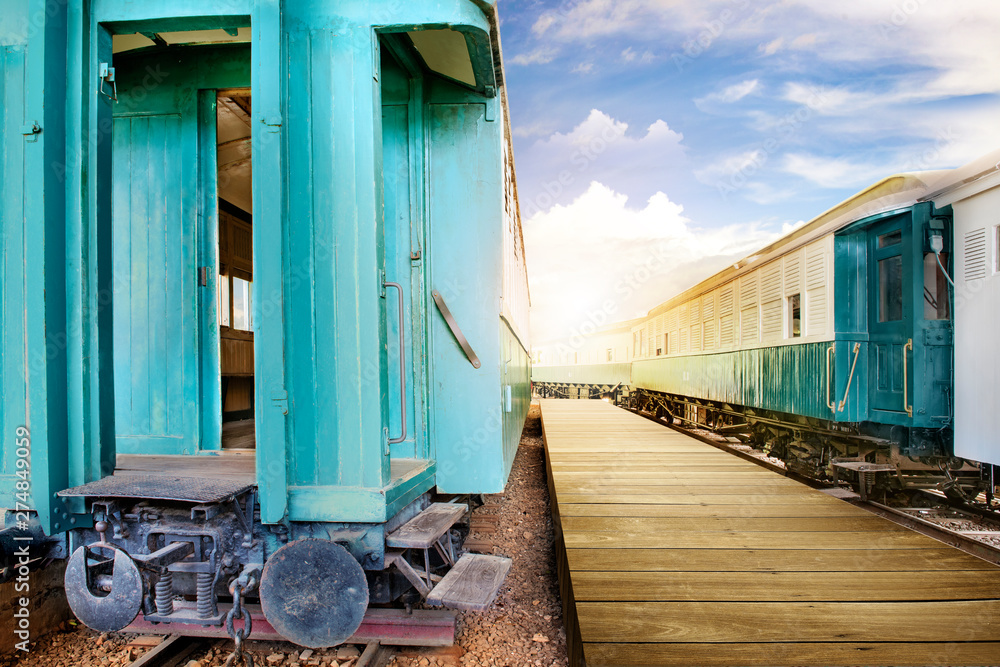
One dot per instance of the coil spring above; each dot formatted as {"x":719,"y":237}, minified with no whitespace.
{"x":207,"y":606}
{"x":165,"y":594}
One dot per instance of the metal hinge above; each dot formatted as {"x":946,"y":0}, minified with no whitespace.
{"x":30,"y":130}
{"x":381,"y":283}
{"x":279,"y":399}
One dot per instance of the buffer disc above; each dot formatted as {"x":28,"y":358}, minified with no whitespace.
{"x":314,"y":593}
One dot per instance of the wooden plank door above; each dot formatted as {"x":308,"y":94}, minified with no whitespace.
{"x":890,"y":315}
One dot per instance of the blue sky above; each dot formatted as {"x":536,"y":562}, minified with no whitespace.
{"x":656,"y":141}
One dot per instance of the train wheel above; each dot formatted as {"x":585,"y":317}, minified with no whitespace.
{"x":314,"y":593}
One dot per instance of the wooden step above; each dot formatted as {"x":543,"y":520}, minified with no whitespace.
{"x":423,"y":530}
{"x":472,"y":584}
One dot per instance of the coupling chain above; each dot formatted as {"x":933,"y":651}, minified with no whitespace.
{"x":239,"y":635}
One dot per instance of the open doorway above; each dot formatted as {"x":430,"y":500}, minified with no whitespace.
{"x":235,"y":283}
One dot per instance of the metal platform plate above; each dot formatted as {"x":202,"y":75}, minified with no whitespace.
{"x":161,"y":487}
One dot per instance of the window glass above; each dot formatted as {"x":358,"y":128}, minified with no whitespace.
{"x":890,"y":239}
{"x":223,"y":305}
{"x":935,"y":288}
{"x":890,"y":289}
{"x":795,"y":316}
{"x":242,"y":304}
{"x":609,"y":354}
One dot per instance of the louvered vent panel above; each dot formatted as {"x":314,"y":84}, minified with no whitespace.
{"x":683,"y":325}
{"x":694,"y":316}
{"x":793,"y":273}
{"x":708,"y":322}
{"x":750,"y":325}
{"x":771,"y":320}
{"x":748,"y":291}
{"x":975,"y":254}
{"x":770,"y":282}
{"x":815,"y":267}
{"x":726,"y":316}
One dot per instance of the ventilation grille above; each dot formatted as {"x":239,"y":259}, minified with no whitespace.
{"x":975,"y":254}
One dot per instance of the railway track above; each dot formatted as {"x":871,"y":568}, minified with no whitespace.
{"x":179,"y":650}
{"x":909,"y":517}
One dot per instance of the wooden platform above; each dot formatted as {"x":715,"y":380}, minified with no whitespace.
{"x":673,"y":552}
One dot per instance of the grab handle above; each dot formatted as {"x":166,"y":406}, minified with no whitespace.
{"x":850,"y":377}
{"x":906,"y":398}
{"x":402,"y":365}
{"x":456,"y":331}
{"x":829,"y":402}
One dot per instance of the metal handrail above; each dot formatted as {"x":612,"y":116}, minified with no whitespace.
{"x":402,"y":365}
{"x":850,"y":377}
{"x":830,"y":404}
{"x":906,"y":398}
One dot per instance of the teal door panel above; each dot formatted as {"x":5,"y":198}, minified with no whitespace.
{"x":890,"y":315}
{"x":155,"y":305}
{"x":396,"y":166}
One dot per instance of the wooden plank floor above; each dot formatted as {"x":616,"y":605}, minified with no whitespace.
{"x":673,"y":552}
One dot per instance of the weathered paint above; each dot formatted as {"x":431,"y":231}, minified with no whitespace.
{"x":324,"y":398}
{"x":786,"y":379}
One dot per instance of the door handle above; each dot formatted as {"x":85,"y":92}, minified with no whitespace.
{"x":402,"y":365}
{"x":829,"y":403}
{"x":906,"y":398}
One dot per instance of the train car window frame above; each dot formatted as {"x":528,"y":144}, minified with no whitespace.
{"x":795,"y":315}
{"x":610,"y":354}
{"x":936,"y":293}
{"x":890,"y":288}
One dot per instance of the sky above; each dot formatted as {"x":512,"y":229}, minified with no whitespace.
{"x":658,"y":141}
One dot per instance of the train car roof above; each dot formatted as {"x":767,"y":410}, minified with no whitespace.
{"x":889,"y":194}
{"x":981,"y":174}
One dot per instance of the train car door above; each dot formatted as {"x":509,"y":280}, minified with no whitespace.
{"x":164,"y":199}
{"x":890,"y":317}
{"x":401,"y":156}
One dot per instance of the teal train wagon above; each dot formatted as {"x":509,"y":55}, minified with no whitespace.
{"x":859,"y":346}
{"x":263,"y":295}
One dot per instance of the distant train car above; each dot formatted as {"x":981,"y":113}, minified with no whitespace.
{"x":835,"y":344}
{"x":264,"y":292}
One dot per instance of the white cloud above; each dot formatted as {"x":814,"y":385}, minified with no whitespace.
{"x":730,"y":165}
{"x":583,"y":68}
{"x":539,"y":56}
{"x":833,"y":172}
{"x":628,"y":55}
{"x":771,"y":47}
{"x":731,"y":94}
{"x":599,"y":250}
{"x":602,"y":148}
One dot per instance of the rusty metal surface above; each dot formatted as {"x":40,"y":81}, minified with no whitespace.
{"x":161,"y":487}
{"x":389,"y":627}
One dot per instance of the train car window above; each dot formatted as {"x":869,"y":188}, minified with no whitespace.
{"x":795,"y":316}
{"x":890,"y":288}
{"x":890,"y":239}
{"x":666,"y":343}
{"x":242,"y":304}
{"x":223,"y":305}
{"x":610,"y":355}
{"x":635,"y":344}
{"x":935,"y":288}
